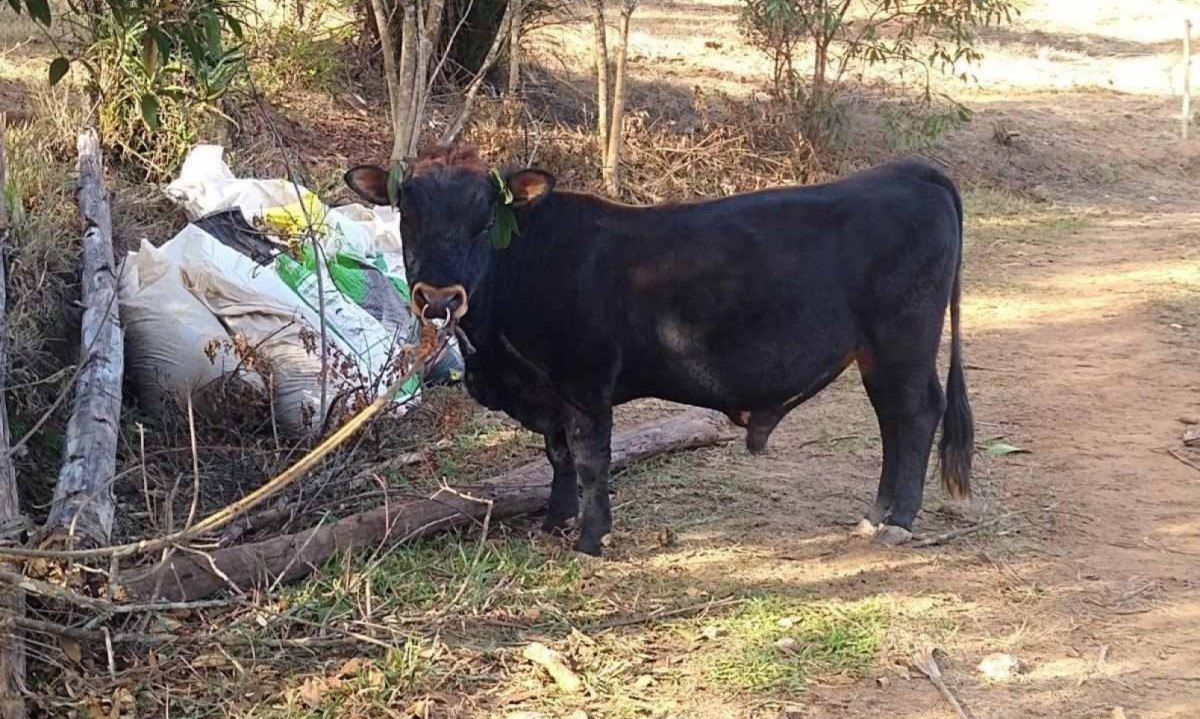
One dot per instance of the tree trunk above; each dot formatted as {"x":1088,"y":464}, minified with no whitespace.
{"x":405,"y":124}
{"x":286,"y":558}
{"x":601,"y":53}
{"x":423,"y":80}
{"x":616,"y":135}
{"x":12,"y":599}
{"x":81,"y":513}
{"x":820,"y":63}
{"x":390,"y":73}
{"x":514,"y":49}
{"x":455,"y":127}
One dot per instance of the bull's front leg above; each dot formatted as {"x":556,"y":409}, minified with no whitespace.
{"x":564,"y":491}
{"x":589,"y":436}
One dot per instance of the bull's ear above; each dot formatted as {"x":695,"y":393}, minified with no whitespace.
{"x":370,"y":182}
{"x":530,"y":186}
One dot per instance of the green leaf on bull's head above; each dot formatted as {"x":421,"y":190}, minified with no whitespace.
{"x":395,"y":178}
{"x":504,"y":219}
{"x":506,"y":195}
{"x":504,"y":226}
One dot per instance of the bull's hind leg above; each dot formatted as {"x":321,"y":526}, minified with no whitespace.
{"x":901,"y":380}
{"x":564,"y":492}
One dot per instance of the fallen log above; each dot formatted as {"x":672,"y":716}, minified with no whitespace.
{"x":190,"y":576}
{"x":81,"y":513}
{"x":12,"y":599}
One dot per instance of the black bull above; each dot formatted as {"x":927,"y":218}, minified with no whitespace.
{"x":748,"y":304}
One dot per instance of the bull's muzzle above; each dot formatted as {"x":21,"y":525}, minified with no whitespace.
{"x":439,"y":303}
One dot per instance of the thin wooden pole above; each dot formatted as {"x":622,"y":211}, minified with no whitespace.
{"x":1186,"y":120}
{"x":12,"y":599}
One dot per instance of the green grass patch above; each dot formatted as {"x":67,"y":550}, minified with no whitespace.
{"x":772,"y":643}
{"x":505,"y":577}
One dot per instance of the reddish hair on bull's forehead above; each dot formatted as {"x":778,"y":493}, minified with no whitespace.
{"x":460,"y":155}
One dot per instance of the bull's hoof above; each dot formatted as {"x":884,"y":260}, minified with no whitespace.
{"x":889,"y":535}
{"x":864,"y":528}
{"x":590,"y":547}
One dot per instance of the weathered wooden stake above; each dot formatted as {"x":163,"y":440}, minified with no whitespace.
{"x":1186,"y":121}
{"x":81,"y":513}
{"x":12,"y":599}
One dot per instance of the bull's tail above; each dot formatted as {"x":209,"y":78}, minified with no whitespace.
{"x":957,"y":445}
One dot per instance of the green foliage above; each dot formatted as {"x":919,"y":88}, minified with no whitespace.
{"x":836,"y":36}
{"x":915,"y":128}
{"x":157,"y":92}
{"x":39,"y":10}
{"x":298,"y":55}
{"x":156,"y":71}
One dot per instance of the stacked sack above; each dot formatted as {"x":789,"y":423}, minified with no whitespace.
{"x":239,"y":293}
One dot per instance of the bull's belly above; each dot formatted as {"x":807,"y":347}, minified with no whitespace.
{"x":736,"y":381}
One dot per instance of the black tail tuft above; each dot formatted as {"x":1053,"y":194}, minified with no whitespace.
{"x":957,"y":447}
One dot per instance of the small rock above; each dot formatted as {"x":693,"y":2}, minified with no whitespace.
{"x":786,"y":622}
{"x":579,"y":714}
{"x":1001,"y":667}
{"x":892,"y":536}
{"x":643,"y":681}
{"x":1188,"y":419}
{"x":711,"y":632}
{"x":864,"y":528}
{"x":1191,"y":436}
{"x":1040,"y":193}
{"x":883,"y":682}
{"x":1118,"y":713}
{"x":787,"y":644}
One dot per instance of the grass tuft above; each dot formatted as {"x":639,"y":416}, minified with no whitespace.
{"x":772,"y":643}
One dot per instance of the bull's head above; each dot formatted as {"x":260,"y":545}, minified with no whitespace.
{"x":449,"y":206}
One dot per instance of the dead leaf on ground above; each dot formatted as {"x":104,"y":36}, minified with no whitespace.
{"x":351,"y":667}
{"x":312,"y":692}
{"x":999,"y":448}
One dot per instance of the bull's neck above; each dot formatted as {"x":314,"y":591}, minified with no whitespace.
{"x":497,"y":297}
